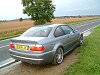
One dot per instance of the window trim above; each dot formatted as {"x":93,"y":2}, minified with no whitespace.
{"x":69,"y":27}
{"x":61,"y":29}
{"x":24,"y":34}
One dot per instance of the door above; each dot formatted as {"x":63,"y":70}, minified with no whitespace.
{"x":70,"y":37}
{"x":62,"y":38}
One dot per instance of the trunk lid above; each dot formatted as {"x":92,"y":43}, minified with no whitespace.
{"x":24,"y":43}
{"x":27,"y":40}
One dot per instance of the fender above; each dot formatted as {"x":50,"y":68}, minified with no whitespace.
{"x":57,"y":46}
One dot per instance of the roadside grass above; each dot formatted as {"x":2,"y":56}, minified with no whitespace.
{"x":89,"y":56}
{"x":11,"y":34}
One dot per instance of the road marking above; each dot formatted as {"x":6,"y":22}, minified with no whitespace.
{"x":91,"y":28}
{"x":85,"y":24}
{"x":82,"y":25}
{"x":4,"y":46}
{"x":8,"y":62}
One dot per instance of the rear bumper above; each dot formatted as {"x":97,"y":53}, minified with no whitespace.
{"x":41,"y":58}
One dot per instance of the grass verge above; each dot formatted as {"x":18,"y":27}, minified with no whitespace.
{"x":89,"y":56}
{"x":11,"y":34}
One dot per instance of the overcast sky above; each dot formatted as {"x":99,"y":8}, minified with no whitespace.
{"x":12,"y":9}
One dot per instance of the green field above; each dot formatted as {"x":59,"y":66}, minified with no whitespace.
{"x":89,"y":56}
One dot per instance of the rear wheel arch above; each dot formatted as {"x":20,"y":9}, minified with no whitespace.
{"x":61,"y":47}
{"x":54,"y":61}
{"x":58,"y":45}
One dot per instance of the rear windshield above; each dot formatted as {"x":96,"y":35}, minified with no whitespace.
{"x":37,"y":32}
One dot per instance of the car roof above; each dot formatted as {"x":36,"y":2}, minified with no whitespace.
{"x":49,"y":25}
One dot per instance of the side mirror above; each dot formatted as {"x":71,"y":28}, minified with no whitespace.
{"x":76,"y":31}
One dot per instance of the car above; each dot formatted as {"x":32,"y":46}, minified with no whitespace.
{"x":45,"y":44}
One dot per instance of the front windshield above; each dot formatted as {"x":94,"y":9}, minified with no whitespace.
{"x":37,"y":32}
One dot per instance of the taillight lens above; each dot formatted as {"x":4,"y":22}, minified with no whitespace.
{"x":37,"y":48}
{"x":12,"y":46}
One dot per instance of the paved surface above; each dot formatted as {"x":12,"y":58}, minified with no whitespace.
{"x":86,"y":26}
{"x":4,"y":53}
{"x":27,"y":69}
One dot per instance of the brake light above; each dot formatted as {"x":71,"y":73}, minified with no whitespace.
{"x":37,"y":48}
{"x":12,"y":46}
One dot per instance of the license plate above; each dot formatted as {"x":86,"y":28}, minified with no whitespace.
{"x":22,"y":47}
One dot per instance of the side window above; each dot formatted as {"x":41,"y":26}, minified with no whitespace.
{"x":58,"y":32}
{"x":67,"y":29}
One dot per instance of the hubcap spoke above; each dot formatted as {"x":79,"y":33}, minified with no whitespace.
{"x":59,"y":56}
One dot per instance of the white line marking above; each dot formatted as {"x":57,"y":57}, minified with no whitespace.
{"x":82,"y":25}
{"x":9,"y":61}
{"x":90,"y":28}
{"x":4,"y":46}
{"x":87,"y":33}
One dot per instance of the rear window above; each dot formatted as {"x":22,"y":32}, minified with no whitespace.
{"x":37,"y":32}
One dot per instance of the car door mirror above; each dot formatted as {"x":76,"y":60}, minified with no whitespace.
{"x":75,"y":31}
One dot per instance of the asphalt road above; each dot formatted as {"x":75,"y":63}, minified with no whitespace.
{"x":4,"y":53}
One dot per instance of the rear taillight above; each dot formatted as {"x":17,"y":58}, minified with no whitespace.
{"x":37,"y":48}
{"x":12,"y":46}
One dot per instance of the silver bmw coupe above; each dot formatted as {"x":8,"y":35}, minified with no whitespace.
{"x":45,"y":44}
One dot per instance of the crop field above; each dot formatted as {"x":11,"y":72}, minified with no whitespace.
{"x":10,"y":28}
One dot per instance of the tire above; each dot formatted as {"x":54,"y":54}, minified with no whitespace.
{"x":81,"y":40}
{"x":58,"y":57}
